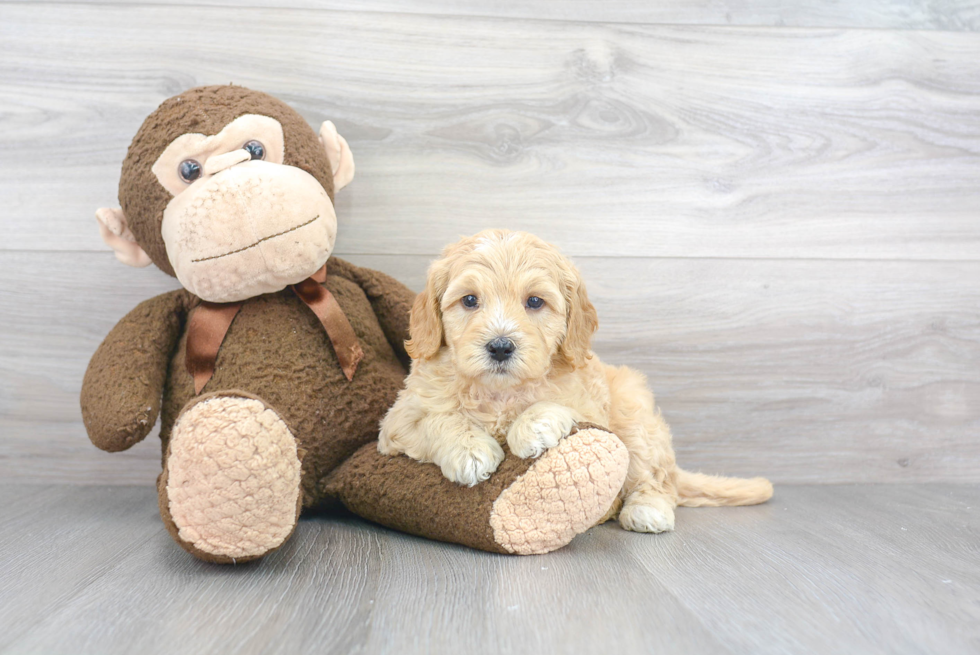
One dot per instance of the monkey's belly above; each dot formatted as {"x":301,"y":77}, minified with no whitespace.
{"x":277,"y":350}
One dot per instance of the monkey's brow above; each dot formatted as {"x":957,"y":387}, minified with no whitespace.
{"x":271,"y":236}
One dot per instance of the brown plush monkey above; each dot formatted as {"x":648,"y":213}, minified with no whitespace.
{"x":272,"y":367}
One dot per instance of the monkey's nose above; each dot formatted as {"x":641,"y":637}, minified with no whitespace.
{"x":501,"y":349}
{"x":218,"y":163}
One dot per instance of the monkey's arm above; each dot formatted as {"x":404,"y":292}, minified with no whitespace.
{"x":390,"y":299}
{"x":123,"y":386}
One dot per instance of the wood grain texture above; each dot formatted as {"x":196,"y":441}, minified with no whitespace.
{"x":779,"y":224}
{"x":49,"y":555}
{"x":957,"y":15}
{"x":609,"y":139}
{"x":834,"y":569}
{"x":799,"y":370}
{"x":856,"y":569}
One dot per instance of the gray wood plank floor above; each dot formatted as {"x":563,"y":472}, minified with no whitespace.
{"x":820,"y":569}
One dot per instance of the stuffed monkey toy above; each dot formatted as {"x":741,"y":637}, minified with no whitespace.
{"x":273,"y":365}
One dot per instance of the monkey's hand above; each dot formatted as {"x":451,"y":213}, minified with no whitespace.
{"x":390,"y":299}
{"x":123,"y":386}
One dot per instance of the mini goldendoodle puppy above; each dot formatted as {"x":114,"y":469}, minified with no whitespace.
{"x":501,"y":353}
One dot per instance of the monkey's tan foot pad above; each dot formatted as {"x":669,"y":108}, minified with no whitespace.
{"x":230,"y":491}
{"x":564,"y":493}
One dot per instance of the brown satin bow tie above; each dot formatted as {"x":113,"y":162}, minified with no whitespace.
{"x":210,"y":321}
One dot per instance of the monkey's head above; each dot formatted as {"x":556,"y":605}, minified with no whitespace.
{"x":229,"y":190}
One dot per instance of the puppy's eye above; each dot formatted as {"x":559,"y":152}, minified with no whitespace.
{"x":189,"y":170}
{"x":255,"y":149}
{"x":469,"y":301}
{"x":534,"y":303}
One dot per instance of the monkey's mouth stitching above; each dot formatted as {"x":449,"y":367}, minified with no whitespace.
{"x":271,"y":236}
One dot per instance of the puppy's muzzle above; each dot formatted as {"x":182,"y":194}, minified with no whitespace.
{"x":501,"y":349}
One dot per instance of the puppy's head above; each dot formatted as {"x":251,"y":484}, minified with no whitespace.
{"x":507,"y":306}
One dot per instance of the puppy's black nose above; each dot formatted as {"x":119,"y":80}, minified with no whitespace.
{"x":501,"y":349}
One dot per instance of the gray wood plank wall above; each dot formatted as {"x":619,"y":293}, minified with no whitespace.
{"x":777,"y":208}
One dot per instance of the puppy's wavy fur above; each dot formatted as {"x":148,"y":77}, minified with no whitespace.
{"x":461,"y":404}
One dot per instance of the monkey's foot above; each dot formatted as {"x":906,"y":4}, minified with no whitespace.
{"x":566,"y":491}
{"x":230,"y":488}
{"x":526,"y":507}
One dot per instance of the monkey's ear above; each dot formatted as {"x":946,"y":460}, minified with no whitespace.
{"x":115,"y":232}
{"x":339,"y":154}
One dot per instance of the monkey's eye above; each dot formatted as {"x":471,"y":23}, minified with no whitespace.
{"x":469,"y":301}
{"x":535,"y":303}
{"x":189,"y":170}
{"x":256,"y":149}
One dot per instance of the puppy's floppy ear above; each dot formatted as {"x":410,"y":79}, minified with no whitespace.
{"x":582,"y":320}
{"x":425,"y":325}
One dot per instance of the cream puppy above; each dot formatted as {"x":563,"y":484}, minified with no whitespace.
{"x":500,"y":343}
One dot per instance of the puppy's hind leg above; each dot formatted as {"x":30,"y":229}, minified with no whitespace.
{"x":647,"y":511}
{"x":650,"y":492}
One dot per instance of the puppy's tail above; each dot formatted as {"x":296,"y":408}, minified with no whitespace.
{"x":700,"y":490}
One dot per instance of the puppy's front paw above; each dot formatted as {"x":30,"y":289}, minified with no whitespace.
{"x":539,"y":428}
{"x":470,"y":459}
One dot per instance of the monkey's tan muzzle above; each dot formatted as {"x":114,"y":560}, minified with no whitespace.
{"x":250,"y":229}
